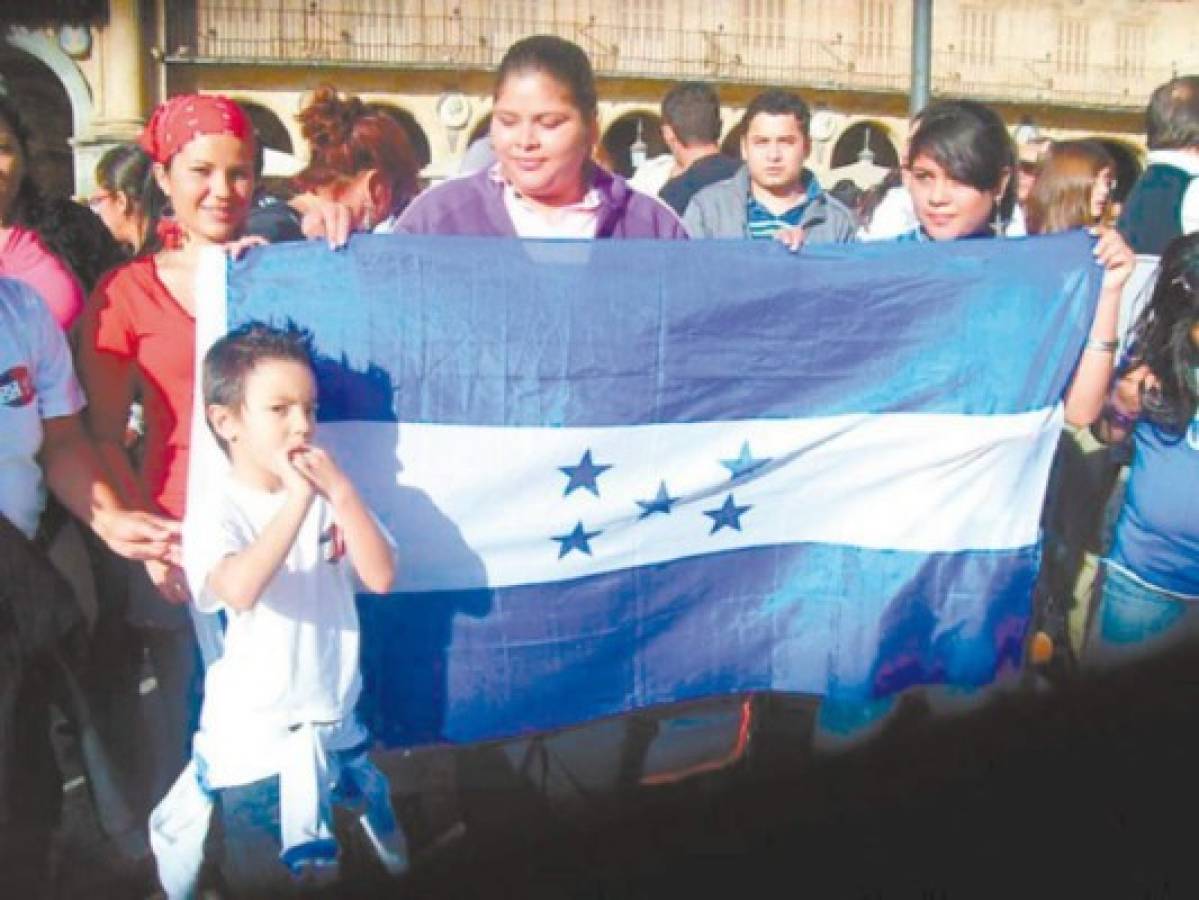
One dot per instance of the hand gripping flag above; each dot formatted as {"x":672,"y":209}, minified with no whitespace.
{"x":623,"y":474}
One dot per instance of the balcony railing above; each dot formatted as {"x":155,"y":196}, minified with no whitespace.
{"x":293,"y":32}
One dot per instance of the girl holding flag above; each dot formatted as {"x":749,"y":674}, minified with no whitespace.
{"x":139,"y":336}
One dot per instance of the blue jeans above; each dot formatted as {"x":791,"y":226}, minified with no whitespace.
{"x":1135,"y":620}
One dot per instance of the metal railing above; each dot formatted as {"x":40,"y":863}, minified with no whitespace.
{"x":302,"y":32}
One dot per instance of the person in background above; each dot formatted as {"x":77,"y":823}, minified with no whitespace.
{"x":887,"y":211}
{"x":544,"y":129}
{"x":1149,"y":591}
{"x":1029,"y":157}
{"x":850,"y":195}
{"x":360,"y":161}
{"x":358,"y":157}
{"x":772,"y":195}
{"x":1164,"y":203}
{"x":1073,"y":190}
{"x":691,"y":129}
{"x":45,"y":449}
{"x":127,"y":199}
{"x":57,"y":246}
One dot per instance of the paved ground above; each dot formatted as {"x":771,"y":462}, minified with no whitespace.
{"x":1089,"y":791}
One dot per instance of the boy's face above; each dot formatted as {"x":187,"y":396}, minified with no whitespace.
{"x":277,"y":416}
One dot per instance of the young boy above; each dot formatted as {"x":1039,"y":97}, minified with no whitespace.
{"x":278,"y":735}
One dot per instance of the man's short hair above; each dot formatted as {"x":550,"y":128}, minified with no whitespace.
{"x":777,"y":102}
{"x":1172,"y":119}
{"x":692,"y":110}
{"x":231,"y":359}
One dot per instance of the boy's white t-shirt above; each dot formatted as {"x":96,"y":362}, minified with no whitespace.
{"x":290,"y":659}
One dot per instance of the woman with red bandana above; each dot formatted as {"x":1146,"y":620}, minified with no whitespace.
{"x":138,"y":336}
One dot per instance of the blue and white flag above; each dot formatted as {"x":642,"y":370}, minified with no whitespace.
{"x":622,"y":474}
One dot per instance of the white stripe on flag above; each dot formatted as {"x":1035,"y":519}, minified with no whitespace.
{"x":470,"y":504}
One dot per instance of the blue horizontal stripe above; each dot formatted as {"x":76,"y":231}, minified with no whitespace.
{"x":501,"y":333}
{"x":475,"y":665}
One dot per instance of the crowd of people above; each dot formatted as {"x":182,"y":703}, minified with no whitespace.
{"x":103,"y":306}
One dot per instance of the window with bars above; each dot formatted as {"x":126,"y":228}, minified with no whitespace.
{"x":644,"y":16}
{"x":1072,"y":39}
{"x":1131,"y":48}
{"x":876,"y":27}
{"x":978,"y":36}
{"x":764,"y":23}
{"x":641,"y":25}
{"x":514,"y":17}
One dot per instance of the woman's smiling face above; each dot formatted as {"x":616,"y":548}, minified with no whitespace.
{"x":541,"y":138}
{"x":947,"y":208}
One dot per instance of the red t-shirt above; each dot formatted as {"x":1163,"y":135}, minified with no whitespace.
{"x":138,"y":319}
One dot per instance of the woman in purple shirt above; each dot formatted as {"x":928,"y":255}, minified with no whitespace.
{"x":544,"y":183}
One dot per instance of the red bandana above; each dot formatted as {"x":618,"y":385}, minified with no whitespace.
{"x":178,"y":120}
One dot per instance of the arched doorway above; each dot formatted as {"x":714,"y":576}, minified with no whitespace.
{"x":482,"y":128}
{"x":45,"y":109}
{"x":865,"y":142}
{"x":621,"y":134}
{"x":731,"y":145}
{"x":269,"y":127}
{"x":416,"y":135}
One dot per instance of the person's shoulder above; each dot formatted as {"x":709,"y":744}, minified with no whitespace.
{"x":439,"y":204}
{"x":722,"y":193}
{"x":653,"y":215}
{"x":835,"y":209}
{"x":133,"y":275}
{"x":721,"y":187}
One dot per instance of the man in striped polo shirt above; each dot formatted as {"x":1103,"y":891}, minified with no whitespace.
{"x":772,"y":195}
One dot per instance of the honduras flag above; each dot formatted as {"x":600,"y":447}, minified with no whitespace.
{"x":623,"y":474}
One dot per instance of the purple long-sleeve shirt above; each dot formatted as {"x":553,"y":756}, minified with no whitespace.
{"x":474,"y":206}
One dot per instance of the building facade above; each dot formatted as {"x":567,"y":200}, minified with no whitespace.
{"x":87,"y":72}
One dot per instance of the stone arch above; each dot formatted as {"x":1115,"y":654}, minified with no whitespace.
{"x":620,"y":135}
{"x":864,"y":137}
{"x":417,"y":137}
{"x":27,"y":55}
{"x":271,"y":130}
{"x":481,"y":128}
{"x":731,"y":145}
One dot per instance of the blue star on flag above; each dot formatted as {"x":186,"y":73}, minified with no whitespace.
{"x":583,"y":475}
{"x":727,"y":516}
{"x":576,"y":540}
{"x":745,"y":464}
{"x":659,"y":504}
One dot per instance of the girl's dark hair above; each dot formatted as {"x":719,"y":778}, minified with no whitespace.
{"x":345,"y":137}
{"x":558,"y":58}
{"x":970,"y":142}
{"x":127,"y":169}
{"x":71,"y":232}
{"x":1161,"y":338}
{"x":1060,"y":198}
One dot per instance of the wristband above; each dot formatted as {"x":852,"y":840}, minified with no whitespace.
{"x":1101,"y":346}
